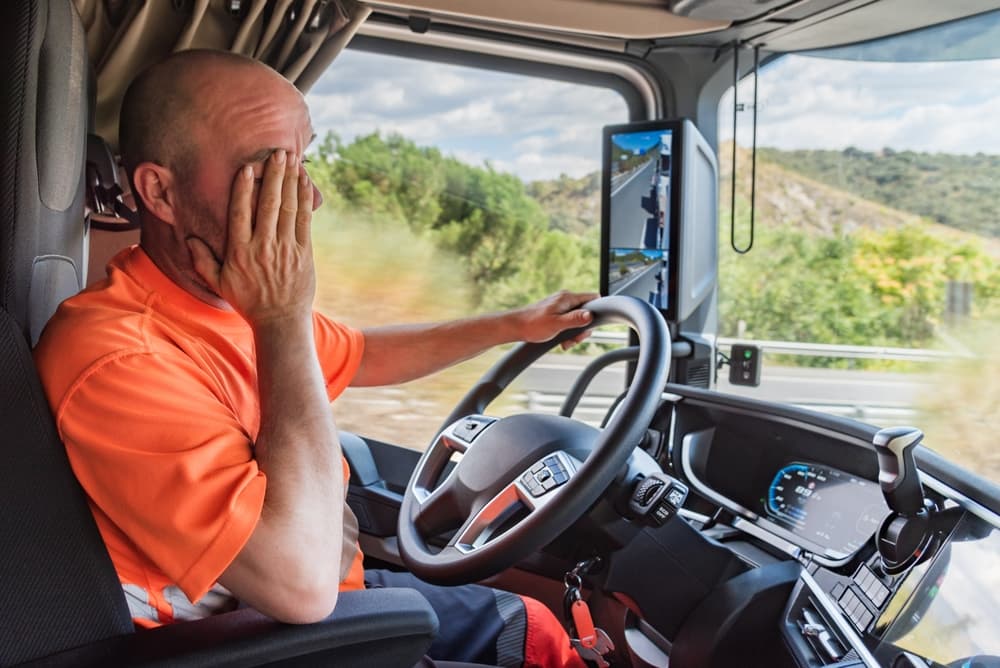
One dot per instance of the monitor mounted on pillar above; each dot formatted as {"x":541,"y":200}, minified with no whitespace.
{"x":659,"y":208}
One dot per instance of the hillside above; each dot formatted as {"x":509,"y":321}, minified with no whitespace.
{"x":786,"y":197}
{"x":573,"y":205}
{"x":960,"y":191}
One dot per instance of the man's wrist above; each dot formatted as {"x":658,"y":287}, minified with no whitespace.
{"x":510,"y":326}
{"x":288,"y":327}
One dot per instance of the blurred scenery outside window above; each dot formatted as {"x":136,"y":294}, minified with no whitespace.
{"x":877,"y":224}
{"x":450,"y":191}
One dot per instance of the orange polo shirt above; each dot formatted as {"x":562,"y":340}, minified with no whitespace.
{"x":155,"y":396}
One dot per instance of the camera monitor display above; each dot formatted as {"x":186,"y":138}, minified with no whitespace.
{"x":658,"y":190}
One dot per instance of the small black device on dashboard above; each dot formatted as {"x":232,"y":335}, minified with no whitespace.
{"x":744,"y":365}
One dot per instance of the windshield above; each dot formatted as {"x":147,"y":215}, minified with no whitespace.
{"x":874,"y":277}
{"x":452,"y":190}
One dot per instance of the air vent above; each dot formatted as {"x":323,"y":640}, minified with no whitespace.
{"x":696,"y":373}
{"x":819,"y":634}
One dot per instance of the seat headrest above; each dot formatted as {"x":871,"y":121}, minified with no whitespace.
{"x":44,"y":110}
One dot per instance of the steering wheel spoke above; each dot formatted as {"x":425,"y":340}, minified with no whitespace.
{"x":533,"y":489}
{"x":439,"y":510}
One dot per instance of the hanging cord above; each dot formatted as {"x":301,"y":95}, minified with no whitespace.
{"x":732,"y":189}
{"x":753,"y":153}
{"x":753,"y":150}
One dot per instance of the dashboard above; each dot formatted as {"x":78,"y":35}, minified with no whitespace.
{"x":824,"y":506}
{"x":806,"y":486}
{"x":799,"y":482}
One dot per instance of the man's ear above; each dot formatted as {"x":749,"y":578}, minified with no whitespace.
{"x":155,"y":186}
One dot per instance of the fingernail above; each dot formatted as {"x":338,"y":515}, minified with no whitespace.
{"x":279,"y":156}
{"x":293,"y":159}
{"x":247,"y":172}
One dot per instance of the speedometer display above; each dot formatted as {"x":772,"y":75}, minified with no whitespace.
{"x":825,"y":506}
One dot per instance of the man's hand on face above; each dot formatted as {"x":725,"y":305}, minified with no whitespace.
{"x":267,"y":273}
{"x":543,"y":320}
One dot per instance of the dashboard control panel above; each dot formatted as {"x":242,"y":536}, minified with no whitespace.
{"x":824,"y":505}
{"x":939,"y":610}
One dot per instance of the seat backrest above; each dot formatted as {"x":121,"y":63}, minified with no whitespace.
{"x":58,"y":588}
{"x":44,"y":114}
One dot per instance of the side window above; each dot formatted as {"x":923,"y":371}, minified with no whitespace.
{"x":874,"y":279}
{"x":450,"y":191}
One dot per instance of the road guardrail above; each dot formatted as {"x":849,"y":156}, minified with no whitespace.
{"x":815,"y":349}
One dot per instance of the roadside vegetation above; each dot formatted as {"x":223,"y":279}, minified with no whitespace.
{"x":408,"y":234}
{"x":827,"y":266}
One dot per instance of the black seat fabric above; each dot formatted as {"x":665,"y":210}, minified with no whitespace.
{"x":54,"y":566}
{"x":58,"y":588}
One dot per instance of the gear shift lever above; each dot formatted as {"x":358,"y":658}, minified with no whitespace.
{"x":897,"y":469}
{"x":905,"y":535}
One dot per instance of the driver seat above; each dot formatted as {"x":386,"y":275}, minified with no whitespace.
{"x":60,"y":600}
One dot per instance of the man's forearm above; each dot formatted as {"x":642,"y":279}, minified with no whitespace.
{"x":397,"y":354}
{"x":300,"y":530}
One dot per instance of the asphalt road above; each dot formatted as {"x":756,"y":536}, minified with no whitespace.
{"x":879,"y":397}
{"x":629,"y":230}
{"x":639,"y":283}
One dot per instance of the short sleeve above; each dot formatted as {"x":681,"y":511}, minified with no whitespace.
{"x":340,"y":349}
{"x":165,"y":460}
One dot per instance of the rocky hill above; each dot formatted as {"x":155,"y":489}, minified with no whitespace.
{"x":794,"y":188}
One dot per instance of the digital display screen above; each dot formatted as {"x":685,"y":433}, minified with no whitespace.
{"x":639,"y":165}
{"x":947,"y":609}
{"x":830,"y":508}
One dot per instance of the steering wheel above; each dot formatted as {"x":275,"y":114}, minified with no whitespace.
{"x":524,"y":479}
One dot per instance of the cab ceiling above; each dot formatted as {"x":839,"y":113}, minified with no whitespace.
{"x":776,"y":25}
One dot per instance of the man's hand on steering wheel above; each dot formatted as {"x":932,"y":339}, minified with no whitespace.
{"x":545,"y":319}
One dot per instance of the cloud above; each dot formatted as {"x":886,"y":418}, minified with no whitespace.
{"x":536,"y":128}
{"x":807,"y":102}
{"x":540,"y":128}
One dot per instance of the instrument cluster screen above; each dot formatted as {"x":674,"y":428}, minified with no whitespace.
{"x":825,"y":506}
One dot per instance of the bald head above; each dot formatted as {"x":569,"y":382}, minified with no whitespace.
{"x":166,"y":102}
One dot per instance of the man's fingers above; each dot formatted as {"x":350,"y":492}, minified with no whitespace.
{"x":269,"y":197}
{"x":205,"y":263}
{"x":289,"y":207}
{"x":303,"y":219}
{"x":579,"y":338}
{"x":241,"y":207}
{"x":576,"y":318}
{"x":572,"y":300}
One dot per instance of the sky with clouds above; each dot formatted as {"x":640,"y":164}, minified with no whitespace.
{"x":539,"y":129}
{"x":535,"y":128}
{"x":805,"y":102}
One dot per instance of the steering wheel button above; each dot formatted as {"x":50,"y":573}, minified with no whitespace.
{"x":543,"y":475}
{"x":527,"y":479}
{"x":560,"y":477}
{"x":549,"y":483}
{"x":551,"y":461}
{"x":537,"y":467}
